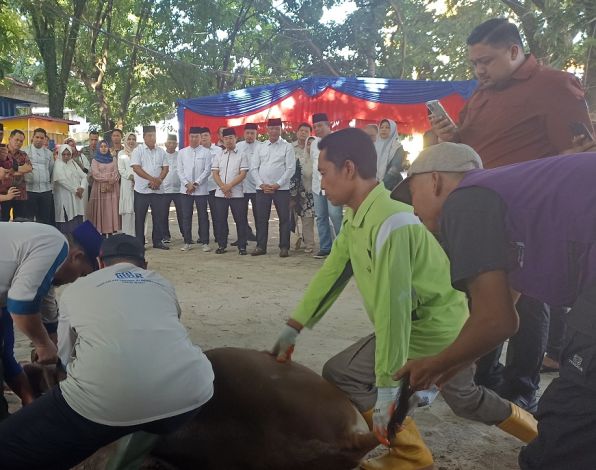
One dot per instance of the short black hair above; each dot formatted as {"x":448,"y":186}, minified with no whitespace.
{"x":94,"y":132}
{"x":354,"y":145}
{"x":305,"y":124}
{"x":117,"y":130}
{"x":40,"y":130}
{"x":495,"y":32}
{"x":15,"y":132}
{"x":112,"y":260}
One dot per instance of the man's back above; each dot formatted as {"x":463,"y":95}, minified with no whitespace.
{"x":134,"y":361}
{"x":548,"y":216}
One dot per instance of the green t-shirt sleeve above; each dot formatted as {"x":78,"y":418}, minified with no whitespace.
{"x":327,"y":284}
{"x":393,"y":302}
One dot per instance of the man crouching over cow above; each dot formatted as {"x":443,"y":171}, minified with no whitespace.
{"x":403,"y":275}
{"x":134,"y":369}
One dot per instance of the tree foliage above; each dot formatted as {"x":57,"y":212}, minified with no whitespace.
{"x":123,"y":62}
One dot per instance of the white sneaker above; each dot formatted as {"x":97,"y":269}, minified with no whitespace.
{"x":186,"y":247}
{"x":206,"y":248}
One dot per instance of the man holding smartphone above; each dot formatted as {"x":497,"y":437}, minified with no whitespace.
{"x":513,"y":117}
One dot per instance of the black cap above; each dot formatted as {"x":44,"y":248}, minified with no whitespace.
{"x":274,"y":122}
{"x":251,"y":126}
{"x":205,"y":129}
{"x":195,"y":130}
{"x":147,"y":129}
{"x":319,"y":117}
{"x":87,"y":236}
{"x":122,"y":246}
{"x":228,"y":131}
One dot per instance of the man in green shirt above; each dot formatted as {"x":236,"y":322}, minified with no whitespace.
{"x":403,"y":275}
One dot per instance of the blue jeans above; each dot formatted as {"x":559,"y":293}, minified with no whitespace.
{"x":324,"y":211}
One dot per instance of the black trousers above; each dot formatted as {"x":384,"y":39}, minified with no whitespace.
{"x":556,"y":332}
{"x":252,"y":198}
{"x":40,"y":207}
{"x":49,"y":435}
{"x":524,"y":354}
{"x":201,"y":202}
{"x":281,"y":199}
{"x":142,"y":203}
{"x":19,"y":209}
{"x":238,"y":213}
{"x":567,"y":409}
{"x":176,"y":198}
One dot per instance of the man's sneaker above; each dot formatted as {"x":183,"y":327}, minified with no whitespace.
{"x":321,"y":255}
{"x":283,"y":253}
{"x":221,"y":250}
{"x":258,"y":252}
{"x":206,"y":248}
{"x":161,"y":246}
{"x":242,"y":251}
{"x":166,"y":240}
{"x":186,"y":247}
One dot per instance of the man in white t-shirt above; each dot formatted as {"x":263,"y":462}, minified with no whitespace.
{"x":150,"y":166}
{"x":134,"y":368}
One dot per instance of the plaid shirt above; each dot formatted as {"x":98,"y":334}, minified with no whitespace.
{"x":17,"y":181}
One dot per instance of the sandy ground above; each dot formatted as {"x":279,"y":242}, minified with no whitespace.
{"x":243,"y":301}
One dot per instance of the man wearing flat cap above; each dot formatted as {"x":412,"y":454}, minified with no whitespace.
{"x":133,"y":369}
{"x":523,"y":229}
{"x":274,"y":166}
{"x":324,"y":210}
{"x":150,"y":166}
{"x":229,"y":171}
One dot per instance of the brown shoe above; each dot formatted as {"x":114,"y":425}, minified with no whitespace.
{"x":283,"y":253}
{"x":258,"y":252}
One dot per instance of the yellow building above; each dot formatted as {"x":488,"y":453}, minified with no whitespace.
{"x":56,"y":128}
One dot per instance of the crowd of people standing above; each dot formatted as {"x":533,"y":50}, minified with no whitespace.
{"x":113,"y":182}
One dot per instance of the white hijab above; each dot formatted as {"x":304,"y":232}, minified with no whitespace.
{"x":386,"y":148}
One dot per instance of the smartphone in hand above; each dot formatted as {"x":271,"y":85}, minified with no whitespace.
{"x":436,"y":109}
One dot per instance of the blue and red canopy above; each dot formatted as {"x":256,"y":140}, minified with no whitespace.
{"x":365,"y":100}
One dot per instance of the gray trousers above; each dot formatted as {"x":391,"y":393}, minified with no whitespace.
{"x":353,"y":372}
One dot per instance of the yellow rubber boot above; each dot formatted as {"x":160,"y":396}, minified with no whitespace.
{"x":520,"y":424}
{"x":407,"y":452}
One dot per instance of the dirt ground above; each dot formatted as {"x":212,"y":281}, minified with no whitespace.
{"x":243,"y":301}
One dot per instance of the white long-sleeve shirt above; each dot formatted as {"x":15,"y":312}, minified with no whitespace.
{"x":40,"y":179}
{"x":249,"y":184}
{"x":171,"y":183}
{"x":274,"y":163}
{"x":194,"y":166}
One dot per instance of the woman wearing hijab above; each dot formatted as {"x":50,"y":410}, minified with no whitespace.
{"x":390,"y":154}
{"x":102,"y":210}
{"x":70,"y":187}
{"x":126,"y":202}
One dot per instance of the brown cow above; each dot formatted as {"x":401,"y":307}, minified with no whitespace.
{"x":263,"y":416}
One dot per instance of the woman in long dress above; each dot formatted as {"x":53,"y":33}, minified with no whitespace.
{"x":126,"y":203}
{"x":70,"y":189}
{"x":390,"y":154}
{"x":102,"y":209}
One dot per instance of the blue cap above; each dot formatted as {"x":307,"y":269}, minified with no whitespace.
{"x":87,"y":236}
